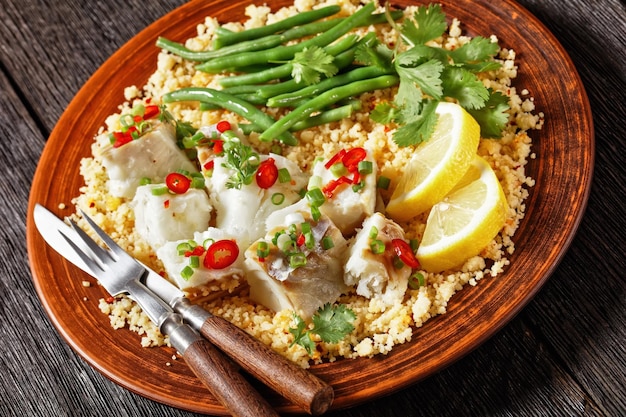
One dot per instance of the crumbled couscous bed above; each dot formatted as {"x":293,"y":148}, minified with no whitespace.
{"x":378,"y":328}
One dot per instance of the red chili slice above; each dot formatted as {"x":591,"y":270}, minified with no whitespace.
{"x":121,"y":138}
{"x":335,"y":158}
{"x":405,"y":253}
{"x":223,"y":126}
{"x":352,"y":158}
{"x":266,"y":174}
{"x":151,"y":111}
{"x":218,"y":147}
{"x":177,"y":183}
{"x":221,"y":254}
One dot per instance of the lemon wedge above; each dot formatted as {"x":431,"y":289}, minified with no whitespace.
{"x":465,"y":221}
{"x":437,"y":164}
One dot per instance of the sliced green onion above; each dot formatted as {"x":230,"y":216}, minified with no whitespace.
{"x":316,"y":197}
{"x":373,"y":232}
{"x":208,"y":242}
{"x":383,"y":183}
{"x":127,"y":120}
{"x":327,"y":242}
{"x":305,"y":227}
{"x":309,"y":240}
{"x":358,"y":187}
{"x":138,"y":110}
{"x":315,"y":182}
{"x":414,"y":243}
{"x":338,"y":169}
{"x":315,"y":213}
{"x":186,"y":273}
{"x":284,"y":175}
{"x":278,"y":199}
{"x":182,"y":248}
{"x":262,"y":249}
{"x":365,"y":167}
{"x":159,"y":190}
{"x":397,"y":263}
{"x":194,"y":261}
{"x":417,"y":280}
{"x":145,"y":181}
{"x":197,"y":183}
{"x":276,"y":236}
{"x":297,"y":260}
{"x":377,"y":247}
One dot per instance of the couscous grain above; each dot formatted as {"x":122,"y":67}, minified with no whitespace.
{"x":378,"y":327}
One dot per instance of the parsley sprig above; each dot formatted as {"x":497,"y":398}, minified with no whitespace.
{"x":331,"y":323}
{"x":243,"y":160}
{"x":431,"y":74}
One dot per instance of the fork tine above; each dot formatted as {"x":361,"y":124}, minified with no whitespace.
{"x":89,"y":261}
{"x":100,"y":253}
{"x":115,"y":248}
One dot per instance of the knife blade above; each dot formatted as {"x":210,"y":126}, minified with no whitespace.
{"x":298,"y":385}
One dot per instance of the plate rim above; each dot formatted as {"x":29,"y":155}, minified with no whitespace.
{"x":34,"y":240}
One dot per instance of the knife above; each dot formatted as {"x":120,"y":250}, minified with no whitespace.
{"x":286,"y":378}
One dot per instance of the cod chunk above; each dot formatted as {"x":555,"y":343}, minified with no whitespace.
{"x":153,"y":156}
{"x":160,"y":218}
{"x":371,"y":260}
{"x":242,"y":211}
{"x":350,"y":193}
{"x":299,"y":264}
{"x":176,"y":258}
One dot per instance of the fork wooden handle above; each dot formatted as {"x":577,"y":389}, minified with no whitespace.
{"x":288,"y":379}
{"x":224,"y":381}
{"x":220,"y":375}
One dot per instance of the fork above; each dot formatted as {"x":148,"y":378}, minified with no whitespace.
{"x":120,"y":273}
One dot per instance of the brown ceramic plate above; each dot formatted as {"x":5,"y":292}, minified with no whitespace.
{"x":562,"y":169}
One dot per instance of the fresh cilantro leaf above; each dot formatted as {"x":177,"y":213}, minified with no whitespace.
{"x":493,"y":116}
{"x":241,"y":159}
{"x":409,"y":99}
{"x":481,"y":66}
{"x":333,"y":323}
{"x":478,"y":49}
{"x":430,"y":23}
{"x":464,"y":86}
{"x":427,"y":75}
{"x":384,"y":113}
{"x":420,"y":128}
{"x":372,"y":52}
{"x":310,"y":63}
{"x":301,"y":336}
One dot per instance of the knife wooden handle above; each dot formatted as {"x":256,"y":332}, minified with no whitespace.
{"x":286,"y":378}
{"x":224,"y":381}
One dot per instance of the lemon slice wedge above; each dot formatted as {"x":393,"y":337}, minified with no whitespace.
{"x":437,"y":164}
{"x":465,"y":221}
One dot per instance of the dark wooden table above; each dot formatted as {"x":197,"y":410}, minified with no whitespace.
{"x":564,"y":354}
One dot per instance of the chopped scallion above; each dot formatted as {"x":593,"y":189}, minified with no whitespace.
{"x":377,"y":246}
{"x":417,"y":280}
{"x":297,"y":260}
{"x":383,"y":183}
{"x":186,"y":273}
{"x":316,"y":197}
{"x":327,"y":242}
{"x":284,"y":175}
{"x":278,"y":199}
{"x":365,"y":167}
{"x":159,"y":190}
{"x":194,"y":261}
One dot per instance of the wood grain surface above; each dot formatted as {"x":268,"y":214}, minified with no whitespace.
{"x":562,"y":355}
